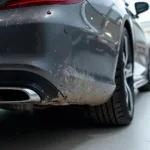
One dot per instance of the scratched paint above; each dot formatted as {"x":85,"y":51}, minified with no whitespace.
{"x":80,"y":89}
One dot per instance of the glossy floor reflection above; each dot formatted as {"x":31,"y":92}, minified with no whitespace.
{"x":61,"y":129}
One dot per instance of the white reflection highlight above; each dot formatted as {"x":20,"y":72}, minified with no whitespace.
{"x":108,"y":34}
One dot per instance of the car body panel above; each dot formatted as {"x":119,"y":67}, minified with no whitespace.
{"x":118,"y":12}
{"x":70,"y":55}
{"x":77,"y":56}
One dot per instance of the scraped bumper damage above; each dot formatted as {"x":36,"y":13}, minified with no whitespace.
{"x":53,"y":56}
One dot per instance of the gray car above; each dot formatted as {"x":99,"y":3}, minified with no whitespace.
{"x":73,"y":52}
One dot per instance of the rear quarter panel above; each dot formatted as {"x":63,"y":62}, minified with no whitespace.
{"x":117,"y":13}
{"x":114,"y":16}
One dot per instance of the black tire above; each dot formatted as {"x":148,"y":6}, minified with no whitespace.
{"x":145,"y":88}
{"x":116,"y":111}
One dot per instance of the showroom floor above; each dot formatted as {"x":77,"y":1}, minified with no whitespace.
{"x":65,"y":131}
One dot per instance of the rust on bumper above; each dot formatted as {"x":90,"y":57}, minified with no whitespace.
{"x":81,"y":89}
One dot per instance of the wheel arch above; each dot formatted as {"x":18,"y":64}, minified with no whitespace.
{"x":128,"y":26}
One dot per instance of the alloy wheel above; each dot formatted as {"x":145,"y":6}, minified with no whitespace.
{"x":128,"y":75}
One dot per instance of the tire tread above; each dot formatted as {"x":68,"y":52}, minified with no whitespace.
{"x":113,"y":112}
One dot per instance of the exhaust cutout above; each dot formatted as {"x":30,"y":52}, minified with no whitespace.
{"x":10,"y":95}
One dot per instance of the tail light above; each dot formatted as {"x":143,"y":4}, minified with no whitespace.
{"x":6,"y":4}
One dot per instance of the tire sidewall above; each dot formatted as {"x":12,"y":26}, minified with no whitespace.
{"x":127,"y":116}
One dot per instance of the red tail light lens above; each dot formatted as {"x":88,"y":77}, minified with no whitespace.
{"x":23,"y":3}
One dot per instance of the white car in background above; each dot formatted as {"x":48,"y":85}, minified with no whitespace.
{"x":146,"y":28}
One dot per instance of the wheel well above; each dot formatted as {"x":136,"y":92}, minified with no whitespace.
{"x":128,"y":27}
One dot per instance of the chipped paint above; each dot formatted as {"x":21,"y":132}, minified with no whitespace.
{"x":80,"y":89}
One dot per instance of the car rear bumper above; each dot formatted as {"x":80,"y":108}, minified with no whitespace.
{"x":45,"y":49}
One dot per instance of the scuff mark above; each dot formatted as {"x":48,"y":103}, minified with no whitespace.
{"x":79,"y":88}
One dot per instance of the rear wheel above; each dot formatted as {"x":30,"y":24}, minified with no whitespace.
{"x":119,"y":109}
